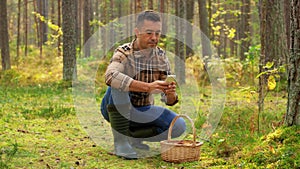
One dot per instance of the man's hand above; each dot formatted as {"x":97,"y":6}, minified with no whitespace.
{"x":162,"y":87}
{"x":158,"y":86}
{"x":171,"y":88}
{"x":154,"y":87}
{"x":171,"y":96}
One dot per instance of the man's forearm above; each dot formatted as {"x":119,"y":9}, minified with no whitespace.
{"x":139,"y":86}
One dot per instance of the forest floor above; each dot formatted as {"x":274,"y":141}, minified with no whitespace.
{"x":39,"y":128}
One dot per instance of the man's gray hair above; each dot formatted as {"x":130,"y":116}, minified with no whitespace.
{"x":147,"y":15}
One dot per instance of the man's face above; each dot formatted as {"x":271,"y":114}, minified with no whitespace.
{"x":148,"y":34}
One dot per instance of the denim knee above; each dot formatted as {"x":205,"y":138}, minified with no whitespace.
{"x":178,"y":128}
{"x":104,"y":113}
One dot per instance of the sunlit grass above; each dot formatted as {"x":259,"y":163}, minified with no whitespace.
{"x":39,"y":127}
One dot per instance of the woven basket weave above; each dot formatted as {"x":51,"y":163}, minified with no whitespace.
{"x":178,"y":151}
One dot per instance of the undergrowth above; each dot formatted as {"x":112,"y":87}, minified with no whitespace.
{"x":39,"y":127}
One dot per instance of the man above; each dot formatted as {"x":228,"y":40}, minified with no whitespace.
{"x":137,"y":71}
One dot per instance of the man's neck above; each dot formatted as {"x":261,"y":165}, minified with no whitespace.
{"x":137,"y":47}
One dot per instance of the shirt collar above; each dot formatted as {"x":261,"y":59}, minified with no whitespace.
{"x":139,"y":54}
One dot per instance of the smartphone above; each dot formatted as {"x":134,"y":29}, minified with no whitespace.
{"x":170,"y":78}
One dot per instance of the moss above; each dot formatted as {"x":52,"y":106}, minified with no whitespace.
{"x":279,"y":149}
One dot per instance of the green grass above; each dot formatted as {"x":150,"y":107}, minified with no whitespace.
{"x":39,"y":124}
{"x":39,"y":127}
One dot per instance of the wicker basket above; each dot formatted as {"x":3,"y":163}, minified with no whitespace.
{"x":180,"y":151}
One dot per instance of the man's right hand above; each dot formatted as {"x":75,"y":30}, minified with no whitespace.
{"x":153,"y":87}
{"x":158,"y":87}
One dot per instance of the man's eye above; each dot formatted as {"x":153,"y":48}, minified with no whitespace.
{"x":149,"y":33}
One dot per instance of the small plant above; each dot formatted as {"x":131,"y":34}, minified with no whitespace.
{"x":56,"y":28}
{"x":272,"y":74}
{"x":251,"y":59}
{"x":10,"y":77}
{"x":6,"y":155}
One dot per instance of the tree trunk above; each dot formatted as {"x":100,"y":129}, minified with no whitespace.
{"x":204,"y":27}
{"x":86,"y":27}
{"x":79,"y":24}
{"x":189,"y":29}
{"x":4,"y":36}
{"x":233,"y":24}
{"x":262,"y":59}
{"x":41,"y":32}
{"x":245,"y":28}
{"x":91,"y":16}
{"x":150,"y":4}
{"x":164,"y":19}
{"x":120,"y":10}
{"x":104,"y":31}
{"x":43,"y":11}
{"x":19,"y":27}
{"x":287,"y":21}
{"x":76,"y":4}
{"x":97,"y":10}
{"x":52,"y":14}
{"x":211,"y":31}
{"x":225,"y":37}
{"x":112,"y":27}
{"x":273,"y":41}
{"x":25,"y":23}
{"x":59,"y":24}
{"x":217,"y":37}
{"x":203,"y":17}
{"x":179,"y":42}
{"x":138,"y":6}
{"x":69,"y":41}
{"x":45,"y":26}
{"x":293,"y":106}
{"x":236,"y":38}
{"x":275,"y":33}
{"x":287,"y":12}
{"x":38,"y":25}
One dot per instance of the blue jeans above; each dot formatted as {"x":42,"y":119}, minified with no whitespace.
{"x":145,"y":116}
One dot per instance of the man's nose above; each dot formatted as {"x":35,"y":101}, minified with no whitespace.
{"x":154,"y":36}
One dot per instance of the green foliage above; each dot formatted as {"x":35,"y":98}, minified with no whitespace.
{"x":167,"y":42}
{"x":272,"y":73}
{"x":32,"y":70}
{"x":253,"y":54}
{"x":96,"y":23}
{"x":221,"y":27}
{"x":6,"y":154}
{"x":196,"y":65}
{"x":43,"y":119}
{"x":38,"y":113}
{"x":10,"y":77}
{"x":57,"y":30}
{"x":50,"y":111}
{"x":99,"y":81}
{"x":279,"y":149}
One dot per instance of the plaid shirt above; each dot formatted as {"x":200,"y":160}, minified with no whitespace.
{"x":127,"y":65}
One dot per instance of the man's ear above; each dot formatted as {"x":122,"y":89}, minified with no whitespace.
{"x":136,"y":31}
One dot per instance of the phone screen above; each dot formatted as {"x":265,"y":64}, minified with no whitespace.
{"x":170,"y":78}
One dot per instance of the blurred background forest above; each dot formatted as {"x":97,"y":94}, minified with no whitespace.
{"x":233,"y":27}
{"x":256,"y":40}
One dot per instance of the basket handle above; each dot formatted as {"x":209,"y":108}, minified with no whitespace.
{"x":173,"y":122}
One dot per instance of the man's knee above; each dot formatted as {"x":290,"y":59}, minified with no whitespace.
{"x":178,"y":128}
